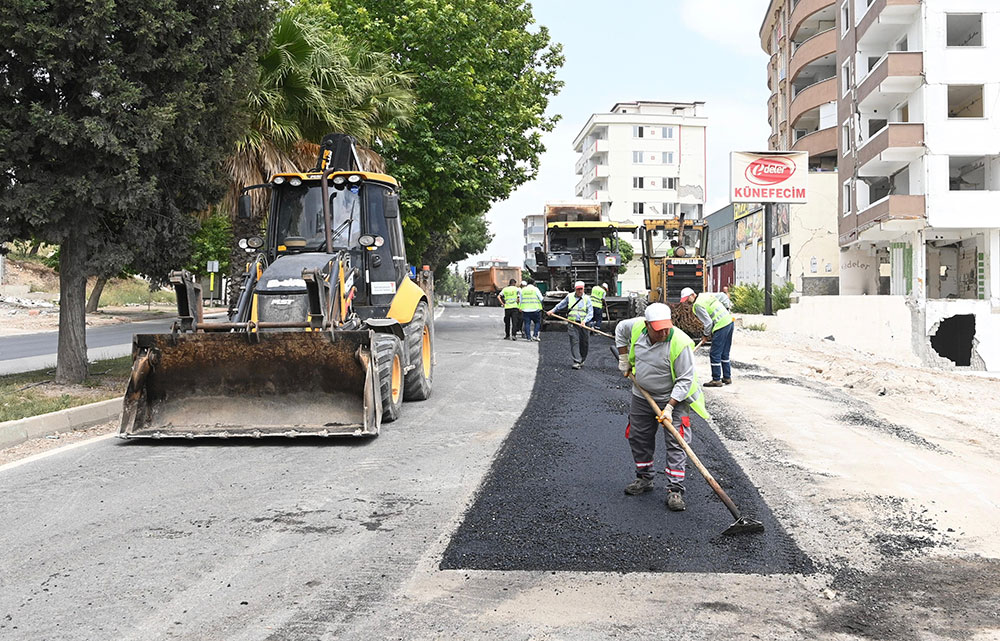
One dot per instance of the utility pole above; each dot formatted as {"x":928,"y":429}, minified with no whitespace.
{"x":768,"y":241}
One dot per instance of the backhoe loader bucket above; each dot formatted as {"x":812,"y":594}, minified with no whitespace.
{"x":252,"y":384}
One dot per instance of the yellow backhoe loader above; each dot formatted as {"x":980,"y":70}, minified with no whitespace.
{"x":330,"y":333}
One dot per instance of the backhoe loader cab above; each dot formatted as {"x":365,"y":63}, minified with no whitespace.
{"x":329,"y":334}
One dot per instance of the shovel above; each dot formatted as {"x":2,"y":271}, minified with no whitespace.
{"x":572,"y":322}
{"x":742,"y":525}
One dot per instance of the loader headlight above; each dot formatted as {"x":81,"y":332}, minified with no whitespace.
{"x":339,"y":182}
{"x":354,"y":179}
{"x":255,"y":242}
{"x":295,"y":182}
{"x":367,"y":240}
{"x":279,"y":180}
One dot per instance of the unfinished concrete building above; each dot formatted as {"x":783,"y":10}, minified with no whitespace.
{"x":919,"y":145}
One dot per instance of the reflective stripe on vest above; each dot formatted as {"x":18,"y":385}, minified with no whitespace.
{"x":509,"y":294}
{"x":597,"y":296}
{"x":578,"y":308}
{"x":531,"y":301}
{"x":715,"y":310}
{"x":678,"y":341}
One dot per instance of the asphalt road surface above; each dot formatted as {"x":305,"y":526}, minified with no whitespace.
{"x":554,"y":497}
{"x":337,"y":539}
{"x":45,"y":343}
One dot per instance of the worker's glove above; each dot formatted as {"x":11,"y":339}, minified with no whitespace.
{"x":623,"y":365}
{"x":664,"y":418}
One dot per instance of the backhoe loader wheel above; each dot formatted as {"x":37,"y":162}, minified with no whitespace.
{"x":389,"y":363}
{"x":419,"y":343}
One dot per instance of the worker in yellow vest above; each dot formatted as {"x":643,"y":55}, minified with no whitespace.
{"x":510,"y":298}
{"x":579,"y":310}
{"x":718,"y":323}
{"x":531,"y":310}
{"x":597,"y":295}
{"x":661,"y":358}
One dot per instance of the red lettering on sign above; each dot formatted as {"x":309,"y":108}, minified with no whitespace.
{"x":770,"y":171}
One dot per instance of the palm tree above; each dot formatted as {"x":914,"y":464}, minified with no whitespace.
{"x":312,"y":81}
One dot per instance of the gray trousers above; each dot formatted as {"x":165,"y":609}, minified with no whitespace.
{"x":641,"y":435}
{"x":579,"y":342}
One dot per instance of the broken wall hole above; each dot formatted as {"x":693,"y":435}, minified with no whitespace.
{"x":953,"y":339}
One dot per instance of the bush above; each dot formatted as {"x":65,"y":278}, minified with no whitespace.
{"x":749,"y":299}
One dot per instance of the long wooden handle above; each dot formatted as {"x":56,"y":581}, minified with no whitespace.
{"x":687,"y":449}
{"x":572,"y":322}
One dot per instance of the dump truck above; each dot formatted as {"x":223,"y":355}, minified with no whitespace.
{"x":673,"y":257}
{"x":486,"y":282}
{"x":329,"y":335}
{"x":579,"y":246}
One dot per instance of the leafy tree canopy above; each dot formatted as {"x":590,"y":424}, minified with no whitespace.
{"x":484,"y":74}
{"x":115,"y":118}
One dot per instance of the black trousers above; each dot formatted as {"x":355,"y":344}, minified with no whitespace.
{"x":511,"y":321}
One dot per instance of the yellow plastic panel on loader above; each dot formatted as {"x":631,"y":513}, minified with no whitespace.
{"x":252,"y":385}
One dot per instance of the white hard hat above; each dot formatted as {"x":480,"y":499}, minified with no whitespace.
{"x":604,"y":285}
{"x":658,"y":316}
{"x":579,"y":285}
{"x":687,"y":291}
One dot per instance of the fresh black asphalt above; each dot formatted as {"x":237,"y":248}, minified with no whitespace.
{"x":554,"y":498}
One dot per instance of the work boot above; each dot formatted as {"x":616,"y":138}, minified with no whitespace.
{"x":577,"y":365}
{"x":714,"y":384}
{"x":675,"y":502}
{"x":639,"y":485}
{"x":727,"y":381}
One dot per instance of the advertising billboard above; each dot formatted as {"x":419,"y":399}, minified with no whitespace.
{"x":769,"y":177}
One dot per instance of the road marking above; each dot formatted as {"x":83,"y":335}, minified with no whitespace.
{"x":438,"y":312}
{"x":48,"y":453}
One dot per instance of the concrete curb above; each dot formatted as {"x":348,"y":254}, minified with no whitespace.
{"x":75,"y":418}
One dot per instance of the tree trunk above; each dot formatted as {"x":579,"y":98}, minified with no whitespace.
{"x":34,"y":248}
{"x":95,"y":295}
{"x":71,"y":361}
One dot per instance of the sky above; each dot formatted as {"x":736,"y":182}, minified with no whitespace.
{"x":672,"y":50}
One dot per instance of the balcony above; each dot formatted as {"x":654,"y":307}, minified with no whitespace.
{"x":891,"y":149}
{"x":596,"y":147}
{"x":813,"y":96}
{"x":804,"y":10}
{"x":818,"y":143}
{"x":885,"y":21}
{"x":593,"y":173}
{"x":892,"y":215}
{"x":600,"y":196}
{"x":820,"y":45}
{"x":896,"y":76}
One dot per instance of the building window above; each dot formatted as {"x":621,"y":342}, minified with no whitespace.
{"x":845,"y":18}
{"x":965,"y":101}
{"x":668,"y":210}
{"x":670,"y":183}
{"x":972,"y":173}
{"x":637,"y":132}
{"x":668,"y":158}
{"x":846,"y":76}
{"x":846,"y":129}
{"x":637,"y":182}
{"x":965,"y":30}
{"x":637,"y":208}
{"x":637,"y":157}
{"x":668,"y":132}
{"x":847,"y":198}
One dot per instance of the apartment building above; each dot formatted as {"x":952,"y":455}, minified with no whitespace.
{"x":801,"y":39}
{"x":919,"y":144}
{"x":534,"y":238}
{"x":644,"y":159}
{"x":800,"y":36}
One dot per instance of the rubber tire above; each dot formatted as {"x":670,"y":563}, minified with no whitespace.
{"x":387,"y":348}
{"x":416,"y":386}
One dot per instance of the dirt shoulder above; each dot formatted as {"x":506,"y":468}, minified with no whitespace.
{"x":884,"y":474}
{"x":36,"y":446}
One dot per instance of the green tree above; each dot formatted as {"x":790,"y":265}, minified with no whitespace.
{"x":626,"y":250}
{"x":484,"y":74}
{"x":115,"y":119}
{"x":212,"y":241}
{"x":311,"y":81}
